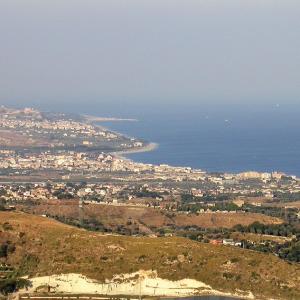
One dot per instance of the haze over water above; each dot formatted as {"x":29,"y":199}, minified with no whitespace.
{"x":214,"y":82}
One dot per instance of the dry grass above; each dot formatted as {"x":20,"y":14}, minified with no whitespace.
{"x":46,"y":247}
{"x":152,"y":218}
{"x":227,"y":220}
{"x":259,"y":237}
{"x":292,"y":204}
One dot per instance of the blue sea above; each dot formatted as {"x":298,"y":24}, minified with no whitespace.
{"x":224,"y":138}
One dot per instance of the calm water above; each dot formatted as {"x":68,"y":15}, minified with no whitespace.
{"x":226,"y":140}
{"x":232,"y":138}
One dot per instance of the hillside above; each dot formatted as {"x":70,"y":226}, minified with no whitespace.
{"x":145,"y":218}
{"x":46,"y":247}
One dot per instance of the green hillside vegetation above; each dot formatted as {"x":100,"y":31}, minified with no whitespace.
{"x":40,"y":246}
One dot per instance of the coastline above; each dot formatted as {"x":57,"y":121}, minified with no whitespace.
{"x":147,"y":148}
{"x":150,"y":146}
{"x":92,"y":119}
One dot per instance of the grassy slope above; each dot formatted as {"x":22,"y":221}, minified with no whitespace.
{"x":49,"y":247}
{"x":259,"y":237}
{"x":109,"y":215}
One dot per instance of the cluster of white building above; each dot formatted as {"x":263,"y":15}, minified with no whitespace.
{"x":66,"y":127}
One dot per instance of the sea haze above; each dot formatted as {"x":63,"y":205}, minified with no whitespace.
{"x":227,"y":139}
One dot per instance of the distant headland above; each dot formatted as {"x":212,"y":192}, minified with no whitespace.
{"x":91,"y":118}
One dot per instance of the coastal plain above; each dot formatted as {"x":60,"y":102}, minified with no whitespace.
{"x":78,"y":217}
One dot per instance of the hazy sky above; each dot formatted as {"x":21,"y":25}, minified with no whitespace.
{"x":129,"y":52}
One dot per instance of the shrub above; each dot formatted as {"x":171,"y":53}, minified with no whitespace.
{"x":11,"y":285}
